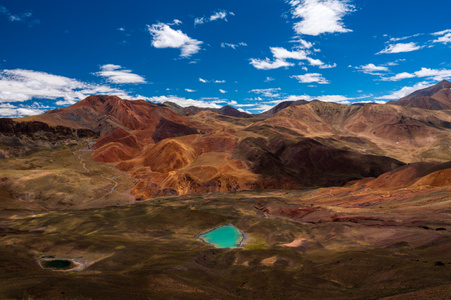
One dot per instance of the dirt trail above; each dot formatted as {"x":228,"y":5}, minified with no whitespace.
{"x":83,"y":164}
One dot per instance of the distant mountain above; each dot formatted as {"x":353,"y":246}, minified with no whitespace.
{"x":282,"y":105}
{"x":436,"y":97}
{"x":192,"y":110}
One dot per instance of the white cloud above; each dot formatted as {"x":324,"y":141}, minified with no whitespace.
{"x":281,"y":55}
{"x":404,"y":37}
{"x":372,"y":69}
{"x":20,"y":85}
{"x":233,"y":46}
{"x":245,"y":105}
{"x":302,"y":44}
{"x":22,"y":17}
{"x":444,"y":39}
{"x":121,"y":29}
{"x":399,"y":76}
{"x":219,"y":15}
{"x":269,"y":79}
{"x":320,"y":16}
{"x":212,"y":80}
{"x":443,"y":32}
{"x":315,"y":62}
{"x":163,"y":36}
{"x":8,"y":110}
{"x":405,"y":91}
{"x":262,"y":108}
{"x":222,"y":91}
{"x":116,"y":74}
{"x":267,"y":64}
{"x":334,"y":65}
{"x":432,"y":74}
{"x":311,"y":77}
{"x":185,"y":102}
{"x":190,"y":91}
{"x":271,"y":93}
{"x":400,"y":47}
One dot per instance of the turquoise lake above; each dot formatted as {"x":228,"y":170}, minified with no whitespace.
{"x":227,"y":236}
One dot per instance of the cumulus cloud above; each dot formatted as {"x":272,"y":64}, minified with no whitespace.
{"x":267,"y":64}
{"x":222,"y":91}
{"x":400,"y":47}
{"x":282,"y":53}
{"x":405,"y":91}
{"x":432,"y":74}
{"x":320,"y":16}
{"x":20,"y":85}
{"x":233,"y":46}
{"x":311,"y":77}
{"x":302,"y":44}
{"x":163,"y":36}
{"x":17,"y":112}
{"x":219,"y":15}
{"x":315,"y":62}
{"x":280,"y":56}
{"x":445,"y":39}
{"x":372,"y":69}
{"x":399,"y":76}
{"x":190,"y":91}
{"x":117,"y":74}
{"x":183,"y":102}
{"x":21,"y":17}
{"x":443,"y":32}
{"x":330,"y":66}
{"x":176,"y":22}
{"x":270,"y":93}
{"x":203,"y":80}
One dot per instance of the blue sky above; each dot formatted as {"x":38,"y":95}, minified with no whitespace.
{"x":248,"y":54}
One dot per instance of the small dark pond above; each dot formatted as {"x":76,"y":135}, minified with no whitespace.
{"x":58,"y":264}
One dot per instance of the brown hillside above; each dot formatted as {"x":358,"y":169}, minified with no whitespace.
{"x":303,"y":144}
{"x":436,"y":97}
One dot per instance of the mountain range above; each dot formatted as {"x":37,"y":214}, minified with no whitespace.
{"x":170,"y":150}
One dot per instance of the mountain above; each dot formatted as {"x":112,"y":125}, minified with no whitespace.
{"x":404,"y":133}
{"x":296,"y":144}
{"x":192,"y":110}
{"x":271,"y":112}
{"x":233,"y":112}
{"x":436,"y":97}
{"x":21,"y":138}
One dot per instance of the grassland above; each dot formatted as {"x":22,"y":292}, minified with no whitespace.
{"x":58,"y":180}
{"x":149,"y":250}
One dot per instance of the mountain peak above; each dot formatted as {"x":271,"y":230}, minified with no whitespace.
{"x":233,"y":112}
{"x":436,"y":97}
